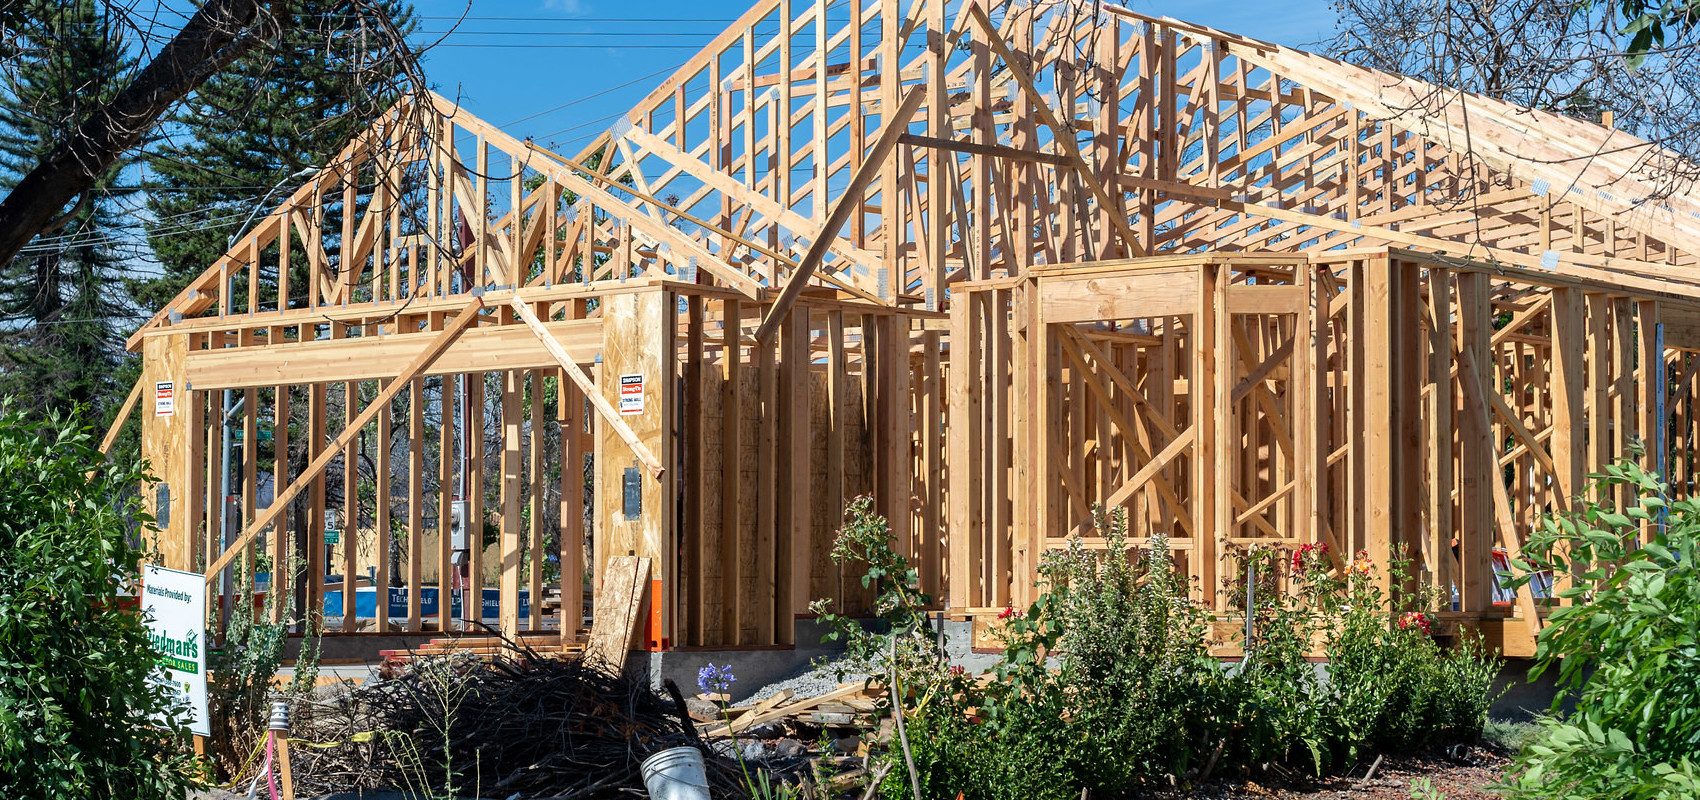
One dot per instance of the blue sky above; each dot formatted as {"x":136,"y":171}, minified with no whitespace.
{"x":557,"y":70}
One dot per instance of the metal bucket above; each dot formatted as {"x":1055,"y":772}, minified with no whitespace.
{"x":676,"y":774}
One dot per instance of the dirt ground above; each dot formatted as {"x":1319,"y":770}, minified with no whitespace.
{"x":1465,"y":775}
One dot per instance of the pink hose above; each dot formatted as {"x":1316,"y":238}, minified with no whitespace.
{"x":271,"y":780}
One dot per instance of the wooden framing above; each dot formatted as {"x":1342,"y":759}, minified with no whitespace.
{"x":991,"y":263}
{"x":1347,"y":441}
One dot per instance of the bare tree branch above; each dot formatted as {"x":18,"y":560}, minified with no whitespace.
{"x":217,"y":33}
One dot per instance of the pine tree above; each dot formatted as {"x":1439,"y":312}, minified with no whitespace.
{"x":63,"y":306}
{"x":251,"y":135}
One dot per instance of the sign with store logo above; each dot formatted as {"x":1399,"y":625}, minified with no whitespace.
{"x":174,"y":604}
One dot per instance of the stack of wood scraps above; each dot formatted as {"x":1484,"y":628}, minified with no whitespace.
{"x":849,"y":705}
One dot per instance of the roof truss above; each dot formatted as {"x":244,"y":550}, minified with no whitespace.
{"x":1046,"y":133}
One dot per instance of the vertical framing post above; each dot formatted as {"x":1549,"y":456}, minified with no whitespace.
{"x":1405,"y":281}
{"x":792,"y":550}
{"x":1442,"y":474}
{"x":695,"y":393}
{"x":1569,"y":373}
{"x":381,"y":496}
{"x":351,"y":510}
{"x":569,"y":412}
{"x":472,"y":591}
{"x":1651,"y":400}
{"x":534,"y":496}
{"x":966,"y":445}
{"x":1598,"y":354}
{"x":415,"y":503}
{"x":638,"y":340}
{"x":445,"y":500}
{"x":513,"y":388}
{"x":1208,"y":325}
{"x":1477,"y":466}
{"x":282,"y":531}
{"x":731,"y":452}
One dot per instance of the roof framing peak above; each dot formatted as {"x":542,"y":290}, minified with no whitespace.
{"x":886,"y":150}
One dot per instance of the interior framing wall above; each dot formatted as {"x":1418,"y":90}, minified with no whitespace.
{"x":1381,"y":402}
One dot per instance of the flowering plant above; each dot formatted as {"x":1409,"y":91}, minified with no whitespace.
{"x":1309,"y":555}
{"x":715,"y":680}
{"x":1361,"y":564}
{"x":1415,"y":619}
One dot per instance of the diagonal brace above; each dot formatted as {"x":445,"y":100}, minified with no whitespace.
{"x":1064,"y":135}
{"x":450,"y":333}
{"x":847,"y":204}
{"x":586,"y":385}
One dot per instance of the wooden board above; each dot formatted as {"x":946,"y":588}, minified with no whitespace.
{"x":620,"y":602}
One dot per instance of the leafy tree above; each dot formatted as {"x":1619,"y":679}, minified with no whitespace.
{"x":1652,"y":27}
{"x":62,"y":304}
{"x":1623,"y":646}
{"x":76,"y":702}
{"x":254,"y":132}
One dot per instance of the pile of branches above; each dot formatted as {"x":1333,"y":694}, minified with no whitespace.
{"x":515,"y":725}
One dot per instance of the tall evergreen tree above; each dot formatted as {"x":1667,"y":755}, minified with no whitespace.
{"x":63,"y":305}
{"x":249,"y":136}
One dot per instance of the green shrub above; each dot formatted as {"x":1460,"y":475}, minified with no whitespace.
{"x":908,"y":647}
{"x":1016,"y":751}
{"x":1106,"y":682}
{"x":1389,"y":686}
{"x":75,"y":699}
{"x":1133,"y":662}
{"x":240,"y":670}
{"x":1626,"y":647}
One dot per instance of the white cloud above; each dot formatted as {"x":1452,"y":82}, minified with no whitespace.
{"x":567,"y":8}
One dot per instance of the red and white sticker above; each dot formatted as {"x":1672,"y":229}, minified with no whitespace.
{"x":164,"y":398}
{"x":631,"y":395}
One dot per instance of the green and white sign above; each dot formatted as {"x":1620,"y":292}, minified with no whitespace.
{"x":333,"y":536}
{"x":174,"y":604}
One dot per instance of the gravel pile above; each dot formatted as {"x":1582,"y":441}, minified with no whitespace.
{"x":811,"y":681}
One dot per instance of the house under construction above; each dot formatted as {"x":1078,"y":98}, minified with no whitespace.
{"x":993,"y":264}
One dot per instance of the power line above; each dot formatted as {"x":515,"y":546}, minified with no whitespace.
{"x":592,"y":96}
{"x":502,"y":46}
{"x":128,"y":237}
{"x":583,"y":124}
{"x":581,"y":19}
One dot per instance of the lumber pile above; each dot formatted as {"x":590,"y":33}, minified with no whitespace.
{"x":844,"y":706}
{"x":540,"y":643}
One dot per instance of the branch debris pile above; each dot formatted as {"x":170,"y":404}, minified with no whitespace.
{"x":511,"y":725}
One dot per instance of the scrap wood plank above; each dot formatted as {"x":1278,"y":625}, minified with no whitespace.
{"x":767,"y":705}
{"x":750,"y":720}
{"x":619,"y":604}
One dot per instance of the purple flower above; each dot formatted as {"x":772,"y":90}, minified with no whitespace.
{"x":715,"y":680}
